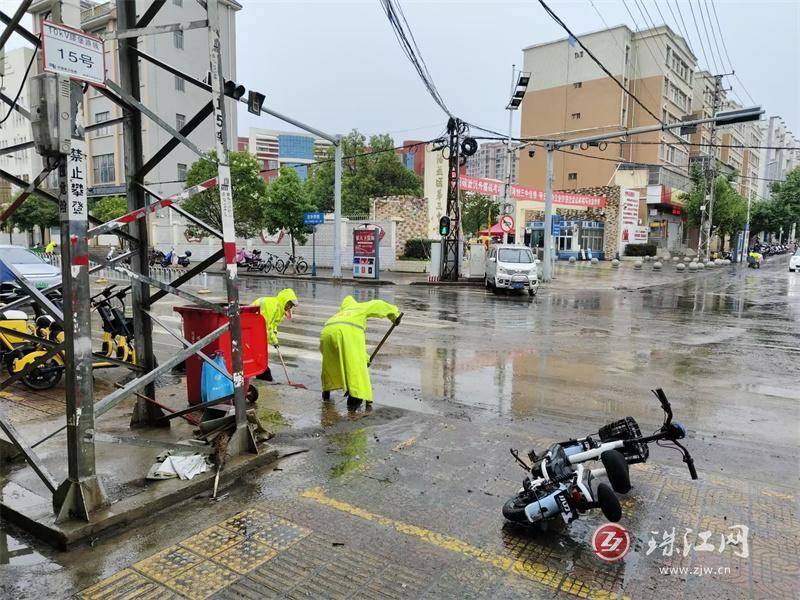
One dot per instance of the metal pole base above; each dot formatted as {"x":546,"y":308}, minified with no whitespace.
{"x":242,"y":442}
{"x":76,"y":499}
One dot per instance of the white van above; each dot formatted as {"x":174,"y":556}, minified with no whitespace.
{"x":511,"y":267}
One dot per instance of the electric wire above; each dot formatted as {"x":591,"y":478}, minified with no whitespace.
{"x":683,"y":29}
{"x":699,"y":37}
{"x":597,"y":61}
{"x":728,"y":56}
{"x":714,"y":36}
{"x":394,"y":13}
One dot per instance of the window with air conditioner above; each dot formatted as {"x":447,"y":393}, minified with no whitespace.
{"x":577,"y":84}
{"x":579,"y":54}
{"x":572,"y":177}
{"x":576,"y":115}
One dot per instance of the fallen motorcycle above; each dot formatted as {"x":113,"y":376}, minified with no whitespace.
{"x":558,"y":484}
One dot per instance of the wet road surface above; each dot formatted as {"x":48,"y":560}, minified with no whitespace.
{"x":404,"y":501}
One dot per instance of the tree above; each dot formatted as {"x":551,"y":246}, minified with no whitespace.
{"x":478,"y":212}
{"x":285,"y":205}
{"x":109,"y":207}
{"x":35,"y":212}
{"x":730,"y":208}
{"x":784,"y":207}
{"x":369,"y":172}
{"x":249,"y":193}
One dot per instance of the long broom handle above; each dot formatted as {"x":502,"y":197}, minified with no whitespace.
{"x":385,"y":337}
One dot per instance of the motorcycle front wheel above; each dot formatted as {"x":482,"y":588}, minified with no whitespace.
{"x":514,"y":510}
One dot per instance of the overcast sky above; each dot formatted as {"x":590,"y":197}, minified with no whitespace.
{"x":337,"y":65}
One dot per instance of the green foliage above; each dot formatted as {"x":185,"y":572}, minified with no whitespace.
{"x":730,"y":208}
{"x":249,"y":193}
{"x":781,"y":210}
{"x":109,"y":207}
{"x":34,"y":212}
{"x":640,"y":250}
{"x":478,"y":212}
{"x":380,"y":173}
{"x":285,"y":205}
{"x":418,"y":249}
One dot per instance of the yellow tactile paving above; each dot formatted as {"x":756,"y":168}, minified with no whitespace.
{"x":280,"y":534}
{"x":245,"y":556}
{"x":166,"y":564}
{"x":211,"y":541}
{"x":248,"y":522}
{"x":202,"y":580}
{"x":124,"y":584}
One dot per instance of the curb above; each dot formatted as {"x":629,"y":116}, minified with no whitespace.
{"x":310,"y":279}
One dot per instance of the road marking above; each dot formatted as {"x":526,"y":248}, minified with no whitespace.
{"x":536,"y":572}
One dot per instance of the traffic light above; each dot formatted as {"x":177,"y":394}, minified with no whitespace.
{"x":254,"y":102}
{"x":444,"y":226}
{"x":234,"y":90}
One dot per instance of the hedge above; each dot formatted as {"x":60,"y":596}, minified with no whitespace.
{"x":418,"y":249}
{"x":640,"y":250}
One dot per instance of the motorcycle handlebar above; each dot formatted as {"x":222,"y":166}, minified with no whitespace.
{"x":665,"y":405}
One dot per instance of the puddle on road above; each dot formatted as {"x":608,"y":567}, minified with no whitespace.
{"x":16,"y":553}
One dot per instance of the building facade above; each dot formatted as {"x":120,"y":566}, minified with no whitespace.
{"x":173,"y":99}
{"x":276,"y":149}
{"x":491,"y":162}
{"x":569,"y":96}
{"x":780,"y":155}
{"x":412,"y":155}
{"x":25,"y":164}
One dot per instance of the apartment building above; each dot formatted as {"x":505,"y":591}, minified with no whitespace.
{"x":25,"y":164}
{"x":276,"y":149}
{"x":170,"y":97}
{"x":491,"y":162}
{"x":735,"y":150}
{"x":781,"y":155}
{"x":570,"y":96}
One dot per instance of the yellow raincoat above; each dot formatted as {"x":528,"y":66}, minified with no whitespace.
{"x":273,"y":309}
{"x":344,"y":346}
{"x":51,"y":246}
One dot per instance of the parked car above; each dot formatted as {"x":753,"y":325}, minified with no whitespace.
{"x":511,"y":267}
{"x":29,"y":265}
{"x":794,"y":261}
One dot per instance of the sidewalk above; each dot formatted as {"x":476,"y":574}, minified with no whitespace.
{"x":396,"y":504}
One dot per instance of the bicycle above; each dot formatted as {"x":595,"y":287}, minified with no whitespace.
{"x":297,"y":262}
{"x":268,"y":264}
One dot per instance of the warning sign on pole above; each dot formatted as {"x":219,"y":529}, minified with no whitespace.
{"x":507,"y":223}
{"x":73,"y":53}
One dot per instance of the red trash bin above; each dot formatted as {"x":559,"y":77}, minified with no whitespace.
{"x":198,"y":322}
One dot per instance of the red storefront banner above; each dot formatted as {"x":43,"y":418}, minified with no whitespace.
{"x":493,"y":187}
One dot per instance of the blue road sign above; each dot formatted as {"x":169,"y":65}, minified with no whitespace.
{"x":313,"y":218}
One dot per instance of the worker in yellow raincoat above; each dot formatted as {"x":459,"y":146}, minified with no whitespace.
{"x":344,"y":347}
{"x":275,"y":309}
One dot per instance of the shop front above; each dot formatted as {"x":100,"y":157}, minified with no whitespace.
{"x":582,"y":239}
{"x":666,"y":217}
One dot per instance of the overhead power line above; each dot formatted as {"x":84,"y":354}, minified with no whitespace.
{"x":708,"y":38}
{"x":408,"y":45}
{"x":597,"y":61}
{"x":728,"y":56}
{"x":699,"y":36}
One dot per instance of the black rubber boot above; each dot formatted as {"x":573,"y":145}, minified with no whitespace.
{"x":265,"y":376}
{"x":326,"y":396}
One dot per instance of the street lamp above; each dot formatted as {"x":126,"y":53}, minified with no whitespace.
{"x":519,"y":83}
